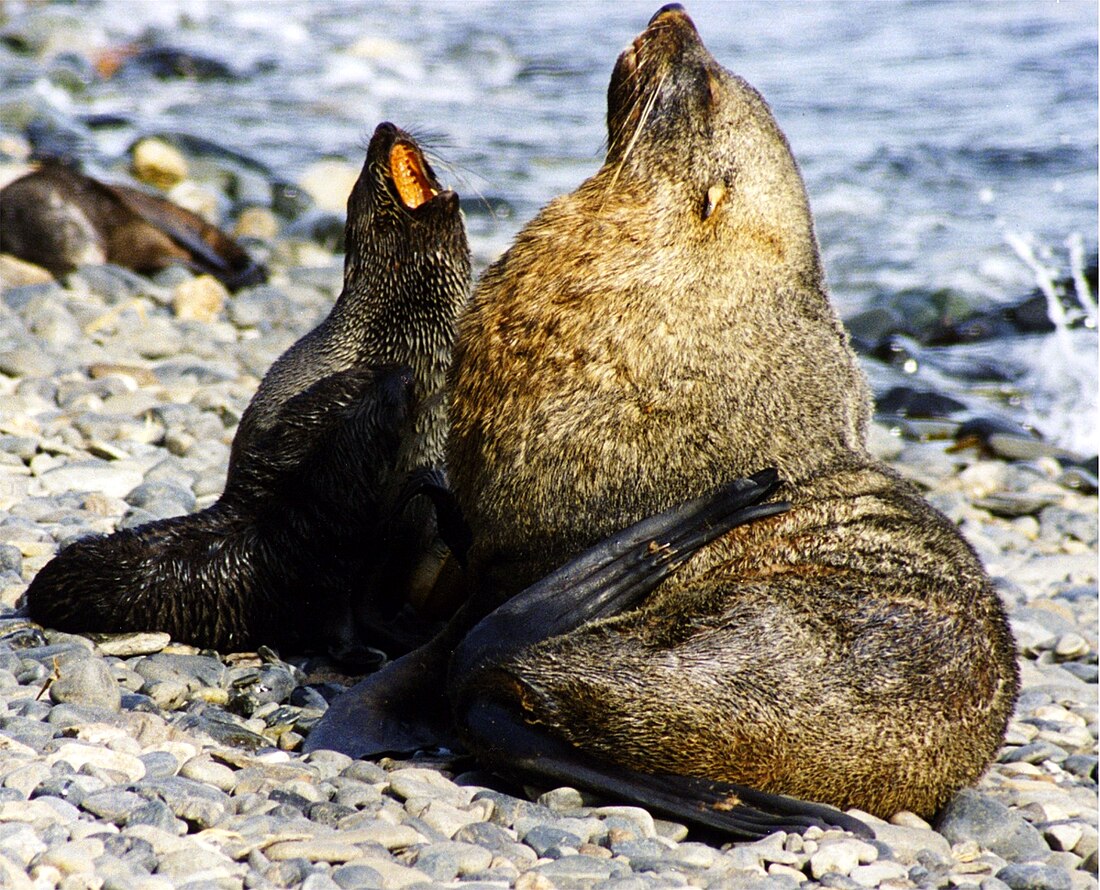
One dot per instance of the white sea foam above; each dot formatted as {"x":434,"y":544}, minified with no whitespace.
{"x":1061,"y":380}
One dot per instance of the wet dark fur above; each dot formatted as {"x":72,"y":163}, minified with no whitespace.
{"x":60,"y":218}
{"x":661,"y":330}
{"x":304,"y":531}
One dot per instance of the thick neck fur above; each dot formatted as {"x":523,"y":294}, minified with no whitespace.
{"x":661,"y":330}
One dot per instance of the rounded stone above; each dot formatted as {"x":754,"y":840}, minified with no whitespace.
{"x":87,"y":681}
{"x":157,"y":163}
{"x":970,"y":815}
{"x":1033,"y":876}
{"x":199,"y":299}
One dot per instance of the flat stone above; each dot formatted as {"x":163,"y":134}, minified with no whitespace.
{"x":108,"y":478}
{"x":841,"y":858}
{"x":78,"y":755}
{"x":392,"y":837}
{"x":203,"y":769}
{"x":129,"y":645}
{"x":444,"y":861}
{"x":113,"y":804}
{"x":417,"y":782}
{"x":42,"y":811}
{"x":1033,"y":876}
{"x":314,"y":849}
{"x":879,"y":872}
{"x":74,"y":857}
{"x":394,"y":876}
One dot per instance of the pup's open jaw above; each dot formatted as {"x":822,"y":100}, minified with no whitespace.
{"x":413,"y":183}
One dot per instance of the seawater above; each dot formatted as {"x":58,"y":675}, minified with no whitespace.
{"x":933,"y":136}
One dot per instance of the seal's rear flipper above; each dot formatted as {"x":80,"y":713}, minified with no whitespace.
{"x":406,"y":705}
{"x":525,"y":752}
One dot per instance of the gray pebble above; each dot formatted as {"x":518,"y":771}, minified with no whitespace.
{"x":354,"y":877}
{"x":114,"y":804}
{"x":1033,"y":876}
{"x":86,"y":681}
{"x":542,"y":838}
{"x":970,"y":815}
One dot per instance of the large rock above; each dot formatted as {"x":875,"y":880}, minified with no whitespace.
{"x":972,"y":816}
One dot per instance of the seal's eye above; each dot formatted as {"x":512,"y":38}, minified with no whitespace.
{"x":713,"y":196}
{"x":412,"y":183}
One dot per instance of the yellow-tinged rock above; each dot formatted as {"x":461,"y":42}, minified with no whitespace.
{"x":199,"y":299}
{"x":159,"y":164}
{"x":256,"y":222}
{"x":15,"y":272}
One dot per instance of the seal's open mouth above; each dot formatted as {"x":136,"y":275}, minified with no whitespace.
{"x":413,"y":182}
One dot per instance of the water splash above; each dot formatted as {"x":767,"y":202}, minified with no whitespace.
{"x":1061,"y":382}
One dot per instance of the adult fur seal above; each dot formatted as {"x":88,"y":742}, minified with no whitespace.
{"x":660,"y":330}
{"x":59,"y":218}
{"x":306,"y":524}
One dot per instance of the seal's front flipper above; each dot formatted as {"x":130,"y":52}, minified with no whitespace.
{"x":453,"y":529}
{"x":377,"y":399}
{"x":401,"y":709}
{"x":610,"y":577}
{"x":525,"y":752}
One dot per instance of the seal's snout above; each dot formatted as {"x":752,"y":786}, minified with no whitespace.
{"x":673,"y":17}
{"x":669,"y":10}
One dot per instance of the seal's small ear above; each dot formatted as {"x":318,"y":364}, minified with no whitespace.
{"x":712,"y":198}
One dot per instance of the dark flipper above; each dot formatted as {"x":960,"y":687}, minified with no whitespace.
{"x":610,"y":577}
{"x":489,"y":701}
{"x":503,"y":741}
{"x":210,"y":249}
{"x":401,"y":709}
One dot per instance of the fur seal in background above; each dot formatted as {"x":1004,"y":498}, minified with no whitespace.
{"x":311,"y":519}
{"x":60,"y":219}
{"x":661,"y":330}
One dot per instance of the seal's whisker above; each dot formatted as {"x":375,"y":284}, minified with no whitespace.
{"x":651,"y":101}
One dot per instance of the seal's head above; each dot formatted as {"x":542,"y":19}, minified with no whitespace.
{"x":718,"y":154}
{"x":400,"y":217}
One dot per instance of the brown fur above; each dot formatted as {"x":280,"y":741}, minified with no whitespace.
{"x":638,"y":346}
{"x":61,"y":219}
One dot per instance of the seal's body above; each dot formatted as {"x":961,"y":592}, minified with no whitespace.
{"x":60,"y":219}
{"x":310,"y":525}
{"x":661,"y":330}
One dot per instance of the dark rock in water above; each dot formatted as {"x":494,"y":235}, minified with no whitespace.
{"x":972,"y":816}
{"x":60,"y":219}
{"x":169,"y":63}
{"x":51,"y":138}
{"x":322,"y":227}
{"x":999,"y":437}
{"x":907,"y":401}
{"x":944,"y":318}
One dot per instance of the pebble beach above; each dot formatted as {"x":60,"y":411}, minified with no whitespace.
{"x":136,"y":762}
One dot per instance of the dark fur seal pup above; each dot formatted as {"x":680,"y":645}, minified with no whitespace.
{"x":60,"y":219}
{"x":305,"y":526}
{"x":662,"y":329}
